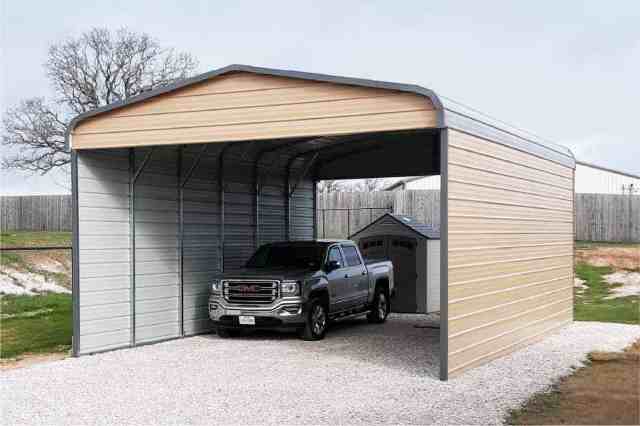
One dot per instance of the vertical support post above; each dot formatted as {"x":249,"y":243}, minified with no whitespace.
{"x":287,"y":201}
{"x":256,"y":183}
{"x":132,"y":245}
{"x":348,"y":222}
{"x":75,"y":256}
{"x":324,"y":223}
{"x":444,"y":255}
{"x":180,"y":236}
{"x":315,"y":209}
{"x":221,"y":200}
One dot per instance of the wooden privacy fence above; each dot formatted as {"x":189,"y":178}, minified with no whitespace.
{"x":608,"y":217}
{"x":599,"y":217}
{"x":35,"y":213}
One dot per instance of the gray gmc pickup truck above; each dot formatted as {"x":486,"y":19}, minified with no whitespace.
{"x":302,"y":286}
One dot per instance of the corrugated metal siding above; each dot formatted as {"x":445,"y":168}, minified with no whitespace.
{"x":157,"y":285}
{"x":105,"y":283}
{"x":103,"y":210}
{"x":510,"y":248}
{"x":201,"y":242}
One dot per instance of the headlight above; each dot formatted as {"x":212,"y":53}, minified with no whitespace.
{"x":216,"y":286}
{"x":289,"y":288}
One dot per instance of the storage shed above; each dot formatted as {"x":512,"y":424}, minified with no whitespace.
{"x":175,"y":185}
{"x":414,"y":249}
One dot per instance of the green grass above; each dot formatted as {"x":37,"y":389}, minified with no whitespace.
{"x":594,"y":244}
{"x":592,"y":305}
{"x":34,"y":239}
{"x":35,"y":324}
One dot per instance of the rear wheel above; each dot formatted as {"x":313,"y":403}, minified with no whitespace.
{"x":316,"y":321}
{"x":225,"y":333}
{"x":379,"y":307}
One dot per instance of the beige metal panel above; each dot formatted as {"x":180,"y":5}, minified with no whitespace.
{"x":474,"y":209}
{"x":485,"y":256}
{"x":323,"y":126}
{"x":489,"y":239}
{"x":243,"y":106}
{"x":477,"y":145}
{"x":489,"y":194}
{"x":487,"y":177}
{"x":501,"y":167}
{"x":480,"y":286}
{"x":510,"y":249}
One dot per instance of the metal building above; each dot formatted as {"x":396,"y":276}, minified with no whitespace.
{"x":177,"y":184}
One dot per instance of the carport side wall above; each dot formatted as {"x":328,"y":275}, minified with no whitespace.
{"x":510,"y":249}
{"x":103,"y":319}
{"x":102,"y":301}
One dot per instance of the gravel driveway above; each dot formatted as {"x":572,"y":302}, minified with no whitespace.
{"x":360,"y":373}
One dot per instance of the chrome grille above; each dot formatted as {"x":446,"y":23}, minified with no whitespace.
{"x":250,"y":292}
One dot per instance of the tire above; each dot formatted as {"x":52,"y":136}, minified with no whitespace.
{"x":316,"y":321}
{"x":379,"y":307}
{"x":225,"y":333}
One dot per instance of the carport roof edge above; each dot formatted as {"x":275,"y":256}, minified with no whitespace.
{"x":448,"y":116}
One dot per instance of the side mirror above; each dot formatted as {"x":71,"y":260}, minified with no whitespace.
{"x":332,"y":265}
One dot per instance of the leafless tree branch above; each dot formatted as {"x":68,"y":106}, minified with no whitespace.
{"x":97,"y":68}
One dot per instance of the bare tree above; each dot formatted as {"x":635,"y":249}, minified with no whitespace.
{"x":327,"y":186}
{"x":97,"y":68}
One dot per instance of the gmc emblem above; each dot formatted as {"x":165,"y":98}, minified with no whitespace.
{"x":248,"y":288}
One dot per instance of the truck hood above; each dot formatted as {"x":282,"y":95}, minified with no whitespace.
{"x":268,"y":273}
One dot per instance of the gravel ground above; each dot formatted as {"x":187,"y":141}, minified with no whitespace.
{"x":360,"y":373}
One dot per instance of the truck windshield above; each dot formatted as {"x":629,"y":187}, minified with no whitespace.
{"x":287,"y":256}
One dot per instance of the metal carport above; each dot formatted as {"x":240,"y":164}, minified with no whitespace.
{"x":177,"y":184}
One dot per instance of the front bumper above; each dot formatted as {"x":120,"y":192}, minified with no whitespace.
{"x":283,"y":313}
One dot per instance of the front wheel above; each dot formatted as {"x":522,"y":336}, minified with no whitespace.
{"x":379,"y":307}
{"x":316,"y":320}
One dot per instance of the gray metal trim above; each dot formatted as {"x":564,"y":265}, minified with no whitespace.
{"x":315,"y":208}
{"x":221,"y":200}
{"x":444,"y":255}
{"x":408,"y":88}
{"x":180,"y":185}
{"x":75,"y":257}
{"x":473,"y":126}
{"x":607,"y":169}
{"x":132,"y":247}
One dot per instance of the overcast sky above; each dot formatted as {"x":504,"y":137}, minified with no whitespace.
{"x":566,"y":70}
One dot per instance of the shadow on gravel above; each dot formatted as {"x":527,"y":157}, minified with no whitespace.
{"x":397,"y":344}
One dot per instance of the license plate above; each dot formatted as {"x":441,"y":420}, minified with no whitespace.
{"x":247,"y":320}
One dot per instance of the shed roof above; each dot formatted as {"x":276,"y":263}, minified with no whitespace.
{"x":450,"y":116}
{"x":422,"y":229}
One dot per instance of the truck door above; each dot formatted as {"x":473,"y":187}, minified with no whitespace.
{"x":356,"y":275}
{"x":337,"y":280}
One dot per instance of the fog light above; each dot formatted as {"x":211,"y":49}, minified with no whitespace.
{"x":213,"y":306}
{"x":291,"y":310}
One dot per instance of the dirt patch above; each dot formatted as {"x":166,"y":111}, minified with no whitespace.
{"x":606,"y":391}
{"x":624,"y":257}
{"x":29,"y":359}
{"x":17,"y":282}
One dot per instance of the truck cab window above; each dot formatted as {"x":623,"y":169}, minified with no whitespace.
{"x":335,"y":255}
{"x":351,"y":254}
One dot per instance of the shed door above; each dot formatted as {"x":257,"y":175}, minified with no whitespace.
{"x":402,"y":252}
